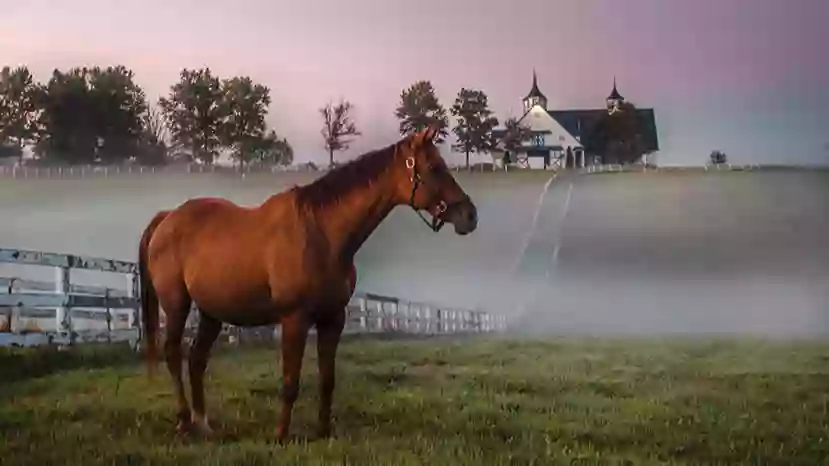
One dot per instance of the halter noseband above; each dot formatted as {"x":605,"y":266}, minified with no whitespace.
{"x":437,"y":222}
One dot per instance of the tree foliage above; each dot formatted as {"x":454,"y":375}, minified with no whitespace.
{"x":245,"y":105}
{"x":18,"y":110}
{"x":119,"y":107}
{"x":474,"y":123}
{"x":619,"y":137}
{"x":91,"y":115}
{"x":338,"y":127}
{"x":270,"y":150}
{"x":419,"y":108}
{"x":194,"y":112}
{"x":515,"y":134}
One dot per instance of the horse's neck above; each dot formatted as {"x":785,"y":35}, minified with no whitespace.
{"x":349,"y":222}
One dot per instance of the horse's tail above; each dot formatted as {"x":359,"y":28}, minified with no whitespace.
{"x":149,"y":298}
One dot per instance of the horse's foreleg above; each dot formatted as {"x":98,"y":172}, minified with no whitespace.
{"x":328,"y":338}
{"x":294,"y":336}
{"x":209,"y":329}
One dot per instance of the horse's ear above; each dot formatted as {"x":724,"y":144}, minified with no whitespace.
{"x":425,"y":136}
{"x":431,"y":131}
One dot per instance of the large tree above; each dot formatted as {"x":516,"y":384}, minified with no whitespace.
{"x":474,"y":123}
{"x":338,"y":127}
{"x":91,"y":115}
{"x":419,"y":108}
{"x":119,"y":108}
{"x":271,"y":150}
{"x":618,"y":137}
{"x":245,"y":107}
{"x":18,"y":110}
{"x":194,"y":112}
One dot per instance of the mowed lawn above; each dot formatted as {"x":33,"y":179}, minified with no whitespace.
{"x":439,"y":402}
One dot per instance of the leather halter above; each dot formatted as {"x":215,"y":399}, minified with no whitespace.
{"x":437,"y":221}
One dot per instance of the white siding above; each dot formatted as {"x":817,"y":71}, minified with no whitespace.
{"x":539,"y":120}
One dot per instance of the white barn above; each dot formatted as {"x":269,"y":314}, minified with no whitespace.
{"x":556,"y":139}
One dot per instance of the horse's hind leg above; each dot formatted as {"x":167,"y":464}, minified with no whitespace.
{"x":209,"y":329}
{"x":176,"y":311}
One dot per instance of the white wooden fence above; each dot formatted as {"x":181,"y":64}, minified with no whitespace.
{"x":104,"y":171}
{"x":613,"y":168}
{"x":112,"y":314}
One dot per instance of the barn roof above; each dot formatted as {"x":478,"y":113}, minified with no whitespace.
{"x":579,"y":123}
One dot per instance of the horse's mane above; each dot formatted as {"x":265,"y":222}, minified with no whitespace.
{"x":362,"y":171}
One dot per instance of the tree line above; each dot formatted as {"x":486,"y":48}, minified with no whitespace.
{"x":95,"y":115}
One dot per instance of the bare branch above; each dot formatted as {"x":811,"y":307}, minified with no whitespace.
{"x":339,"y":128}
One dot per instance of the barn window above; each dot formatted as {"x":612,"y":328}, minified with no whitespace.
{"x":538,"y":140}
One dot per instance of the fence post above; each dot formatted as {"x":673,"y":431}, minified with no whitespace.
{"x":404,"y":312}
{"x":108,"y":315}
{"x":363,"y":314}
{"x":134,"y":319}
{"x":380,"y":311}
{"x":414,"y":315}
{"x":395,"y":319}
{"x":63,"y":314}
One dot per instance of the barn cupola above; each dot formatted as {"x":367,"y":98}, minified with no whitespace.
{"x":614,"y":100}
{"x":535,"y":97}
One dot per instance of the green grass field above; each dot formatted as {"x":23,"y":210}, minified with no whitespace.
{"x":440,"y":402}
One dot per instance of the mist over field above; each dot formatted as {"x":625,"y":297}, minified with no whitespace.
{"x":612,"y":253}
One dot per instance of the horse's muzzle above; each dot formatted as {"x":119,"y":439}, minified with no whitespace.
{"x":464,"y":216}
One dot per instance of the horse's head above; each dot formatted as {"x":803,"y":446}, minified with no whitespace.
{"x":427,"y":184}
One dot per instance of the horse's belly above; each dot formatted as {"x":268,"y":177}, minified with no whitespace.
{"x":249,"y":318}
{"x":235,"y":299}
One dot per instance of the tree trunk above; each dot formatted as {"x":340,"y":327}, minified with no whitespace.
{"x":330,"y":158}
{"x":467,"y":159}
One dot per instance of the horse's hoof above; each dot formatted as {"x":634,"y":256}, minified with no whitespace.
{"x":282,"y":438}
{"x":205,"y":431}
{"x":184,"y":427}
{"x":200,"y":426}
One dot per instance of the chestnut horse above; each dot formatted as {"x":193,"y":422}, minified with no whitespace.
{"x":285,"y":261}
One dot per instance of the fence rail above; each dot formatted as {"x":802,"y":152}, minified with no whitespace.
{"x":103,"y":171}
{"x":113,"y":314}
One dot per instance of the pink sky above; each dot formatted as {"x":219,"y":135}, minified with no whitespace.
{"x":743,"y":75}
